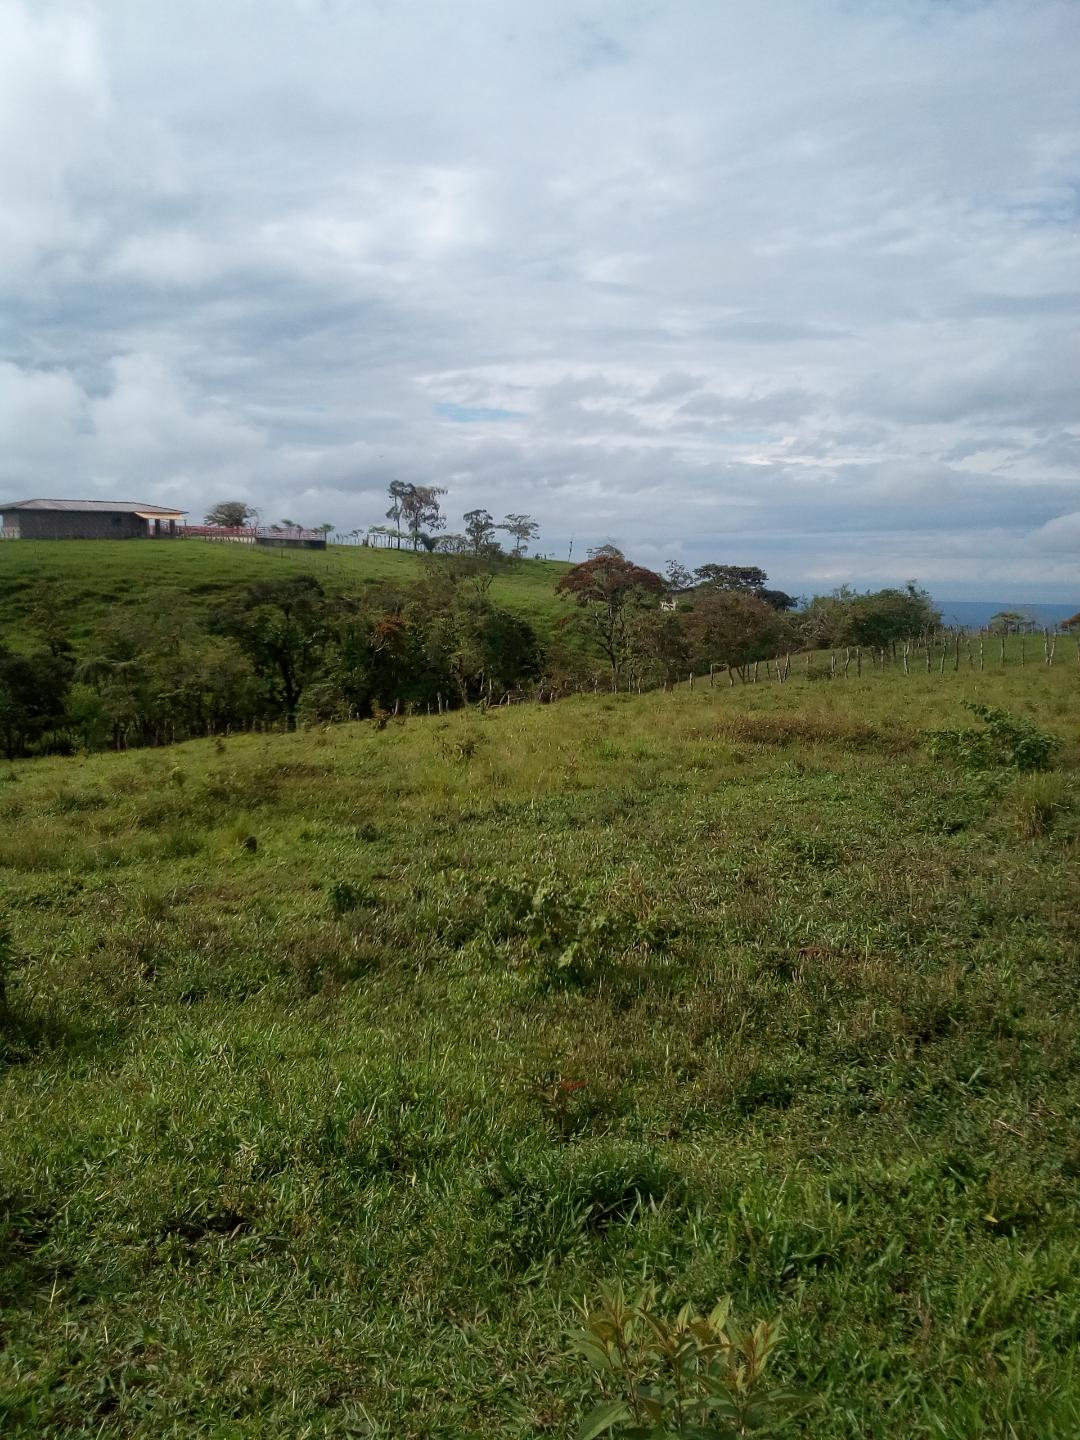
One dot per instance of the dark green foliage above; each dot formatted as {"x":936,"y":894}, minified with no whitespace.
{"x":1003,"y":742}
{"x":735,"y":628}
{"x":33,"y":699}
{"x":282,"y":627}
{"x":877,"y":619}
{"x":548,"y":1207}
{"x":346,"y":897}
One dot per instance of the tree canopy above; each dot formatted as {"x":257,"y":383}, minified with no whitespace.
{"x":231,"y":513}
{"x":608,"y":587}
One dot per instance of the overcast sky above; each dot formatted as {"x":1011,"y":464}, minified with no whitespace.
{"x":778,"y":282}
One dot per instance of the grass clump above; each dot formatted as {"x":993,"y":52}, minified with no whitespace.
{"x":1037,"y":804}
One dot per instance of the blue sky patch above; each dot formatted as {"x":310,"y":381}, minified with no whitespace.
{"x":473,"y":414}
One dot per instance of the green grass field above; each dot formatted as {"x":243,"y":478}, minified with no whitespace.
{"x":340,"y":1064}
{"x":90,"y":577}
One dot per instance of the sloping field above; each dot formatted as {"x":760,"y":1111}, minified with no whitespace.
{"x":89,"y":577}
{"x":338,"y":1065}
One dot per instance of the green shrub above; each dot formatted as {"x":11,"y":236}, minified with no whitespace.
{"x":694,"y":1375}
{"x":1006,"y":742}
{"x":569,"y":939}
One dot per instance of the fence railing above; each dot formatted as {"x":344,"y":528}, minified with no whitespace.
{"x":249,"y":534}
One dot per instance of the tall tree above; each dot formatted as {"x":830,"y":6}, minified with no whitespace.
{"x":678,"y":577}
{"x":750,"y":578}
{"x":282,"y":626}
{"x":1012,"y":622}
{"x":523,"y":528}
{"x":877,"y":618}
{"x":398,"y":490}
{"x":745,"y":579}
{"x":422,"y":513}
{"x":609,"y":588}
{"x":33,"y":697}
{"x":48,"y":616}
{"x":480,"y":530}
{"x":658,"y":646}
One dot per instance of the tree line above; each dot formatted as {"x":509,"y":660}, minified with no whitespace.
{"x":285,"y":652}
{"x":654,"y":630}
{"x":280,"y":652}
{"x":417,"y":517}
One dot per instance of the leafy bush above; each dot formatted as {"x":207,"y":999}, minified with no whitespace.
{"x":1007,"y":742}
{"x":694,"y":1375}
{"x":568,"y":938}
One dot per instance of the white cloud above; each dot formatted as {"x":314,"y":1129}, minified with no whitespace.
{"x":784,"y":284}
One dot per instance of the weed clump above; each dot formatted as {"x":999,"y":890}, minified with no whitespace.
{"x":1004,"y":742}
{"x":570,"y":940}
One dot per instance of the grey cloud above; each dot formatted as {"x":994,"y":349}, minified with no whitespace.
{"x":742,"y":276}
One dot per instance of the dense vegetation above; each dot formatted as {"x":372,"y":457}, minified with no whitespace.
{"x":353,"y":635}
{"x":340,"y":1064}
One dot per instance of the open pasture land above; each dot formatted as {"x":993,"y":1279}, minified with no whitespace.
{"x":89,"y":578}
{"x":339,"y":1064}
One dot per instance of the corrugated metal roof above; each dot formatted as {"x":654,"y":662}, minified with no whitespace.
{"x":107,"y":507}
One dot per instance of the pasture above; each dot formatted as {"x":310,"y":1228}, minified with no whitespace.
{"x":89,"y":578}
{"x":339,"y":1065}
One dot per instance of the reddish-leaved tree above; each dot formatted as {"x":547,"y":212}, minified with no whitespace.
{"x":609,"y":588}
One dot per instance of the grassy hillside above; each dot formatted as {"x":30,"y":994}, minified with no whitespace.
{"x":92,"y":576}
{"x":340,"y":1064}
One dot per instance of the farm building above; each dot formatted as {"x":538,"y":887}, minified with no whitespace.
{"x":87,"y":520}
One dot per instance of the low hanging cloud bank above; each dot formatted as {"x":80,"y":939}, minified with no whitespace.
{"x":794,"y":286}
